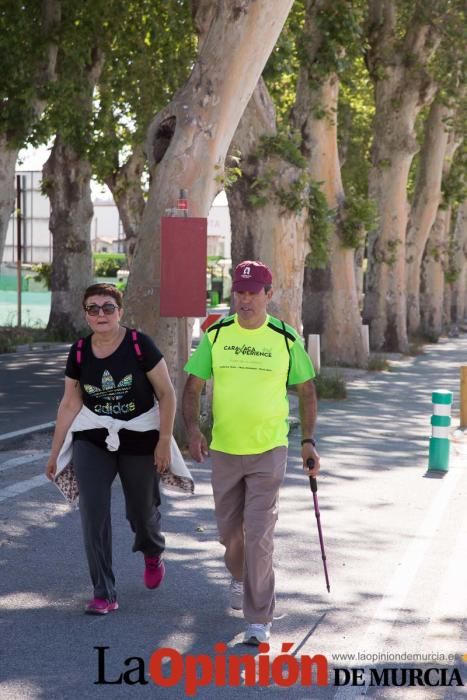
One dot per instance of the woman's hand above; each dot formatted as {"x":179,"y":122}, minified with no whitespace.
{"x":162,"y":454}
{"x":51,"y":468}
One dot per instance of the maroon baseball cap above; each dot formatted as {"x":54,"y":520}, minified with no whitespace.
{"x":251,"y":276}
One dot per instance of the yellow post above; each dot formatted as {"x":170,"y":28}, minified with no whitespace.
{"x":463,"y":397}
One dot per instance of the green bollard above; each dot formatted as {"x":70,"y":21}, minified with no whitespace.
{"x":438,"y":458}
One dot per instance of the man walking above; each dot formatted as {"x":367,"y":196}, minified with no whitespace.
{"x":252,"y":358}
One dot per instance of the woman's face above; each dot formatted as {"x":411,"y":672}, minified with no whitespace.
{"x":102,"y":312}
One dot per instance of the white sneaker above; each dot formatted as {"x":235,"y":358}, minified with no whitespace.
{"x":257,"y":633}
{"x":236,"y":594}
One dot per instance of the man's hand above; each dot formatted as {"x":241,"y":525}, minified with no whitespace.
{"x":197,"y":445}
{"x":310,"y":452}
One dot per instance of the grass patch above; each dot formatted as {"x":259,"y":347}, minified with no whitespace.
{"x":417,"y":342}
{"x":330,"y":386}
{"x":11,"y":336}
{"x":378,"y":363}
{"x":416,"y":347}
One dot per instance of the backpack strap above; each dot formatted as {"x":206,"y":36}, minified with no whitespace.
{"x":287,"y":337}
{"x":217,"y":326}
{"x":136,"y":345}
{"x":134,"y":338}
{"x":79,"y":351}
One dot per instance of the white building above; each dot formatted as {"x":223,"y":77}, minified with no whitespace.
{"x":106,"y":228}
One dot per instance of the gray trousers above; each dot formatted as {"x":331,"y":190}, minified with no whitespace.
{"x":96,"y":469}
{"x":246,"y":491}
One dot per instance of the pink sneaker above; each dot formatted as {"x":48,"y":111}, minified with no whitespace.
{"x":100,"y":606}
{"x":154,"y":572}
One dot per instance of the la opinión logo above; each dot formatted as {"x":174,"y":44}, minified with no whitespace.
{"x":168,"y":668}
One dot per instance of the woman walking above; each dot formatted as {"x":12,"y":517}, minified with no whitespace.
{"x":112,"y":378}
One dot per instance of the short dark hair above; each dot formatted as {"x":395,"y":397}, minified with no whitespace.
{"x":267,"y":288}
{"x":103,"y":289}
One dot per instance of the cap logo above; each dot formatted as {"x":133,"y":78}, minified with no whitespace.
{"x":246,"y":272}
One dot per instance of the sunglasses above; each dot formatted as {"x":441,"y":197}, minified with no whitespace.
{"x":94,"y":309}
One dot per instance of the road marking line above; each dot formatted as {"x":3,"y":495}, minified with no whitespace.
{"x":22,"y":487}
{"x":18,"y":461}
{"x":399,"y":585}
{"x":26,"y":431}
{"x":449,"y":602}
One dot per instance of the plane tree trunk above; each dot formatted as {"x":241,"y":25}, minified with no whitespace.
{"x":125,"y":185}
{"x":435,"y":257}
{"x":269,"y":231}
{"x":67,"y":182}
{"x":402,"y":87}
{"x":330,"y":306}
{"x":425,"y":205}
{"x":196,"y":129}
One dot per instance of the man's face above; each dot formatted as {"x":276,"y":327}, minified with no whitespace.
{"x":251,"y":307}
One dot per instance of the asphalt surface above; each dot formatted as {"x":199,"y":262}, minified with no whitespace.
{"x":31,"y":386}
{"x":395,"y":544}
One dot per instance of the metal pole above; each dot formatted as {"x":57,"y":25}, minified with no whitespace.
{"x":18,"y":245}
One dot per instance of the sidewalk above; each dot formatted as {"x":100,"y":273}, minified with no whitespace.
{"x":395,"y":544}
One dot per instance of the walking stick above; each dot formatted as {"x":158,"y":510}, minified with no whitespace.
{"x":314,"y":488}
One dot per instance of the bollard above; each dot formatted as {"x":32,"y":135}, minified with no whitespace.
{"x":366,"y":339}
{"x":314,"y":352}
{"x":438,"y":459}
{"x":463,"y":397}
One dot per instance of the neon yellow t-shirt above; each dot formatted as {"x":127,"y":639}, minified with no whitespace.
{"x":251,"y":370}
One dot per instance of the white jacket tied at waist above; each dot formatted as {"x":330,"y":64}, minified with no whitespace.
{"x":178,"y":477}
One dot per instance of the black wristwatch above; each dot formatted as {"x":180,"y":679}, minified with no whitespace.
{"x":310,"y":440}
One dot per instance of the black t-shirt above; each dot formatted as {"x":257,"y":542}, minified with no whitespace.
{"x":117,"y":386}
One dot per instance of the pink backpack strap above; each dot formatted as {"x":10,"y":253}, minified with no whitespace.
{"x":79,"y":351}
{"x":134,"y":337}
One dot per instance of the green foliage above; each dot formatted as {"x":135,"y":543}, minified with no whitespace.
{"x":292,"y":197}
{"x":231,"y":173}
{"x":108,"y":264}
{"x":454,"y":185}
{"x":299,"y":194}
{"x":321,"y":221}
{"x":150,"y":57}
{"x":42,"y":273}
{"x":286,"y":146}
{"x":451,"y":267}
{"x":281,"y":71}
{"x":358,"y":216}
{"x":24,"y":41}
{"x":339,"y":26}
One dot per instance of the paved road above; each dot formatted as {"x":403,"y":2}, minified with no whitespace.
{"x":31,"y":385}
{"x":395,"y":543}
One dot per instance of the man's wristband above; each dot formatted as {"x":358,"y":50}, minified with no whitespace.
{"x":310,"y":440}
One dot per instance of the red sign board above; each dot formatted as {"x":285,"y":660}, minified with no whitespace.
{"x":183,"y":266}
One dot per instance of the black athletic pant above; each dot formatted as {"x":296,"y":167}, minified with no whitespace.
{"x":96,"y":469}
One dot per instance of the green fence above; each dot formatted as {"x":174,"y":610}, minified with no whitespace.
{"x":35,"y":308}
{"x":9,"y":283}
